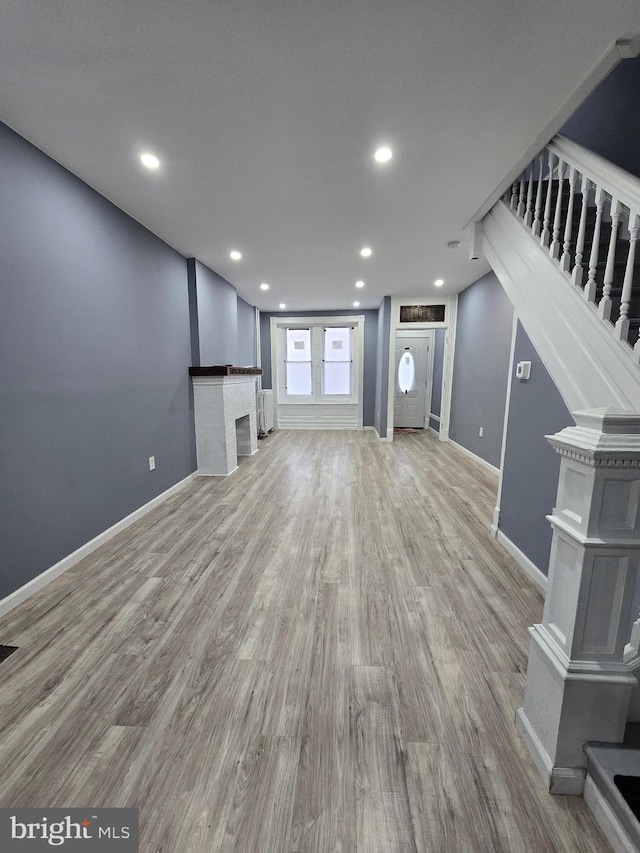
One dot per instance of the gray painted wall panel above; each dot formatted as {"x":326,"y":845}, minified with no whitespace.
{"x":531,"y":467}
{"x":479,"y":389}
{"x":608,"y":122}
{"x":382,"y":367}
{"x":94,"y":351}
{"x":217,"y":317}
{"x":246,"y":352}
{"x":370,"y":348}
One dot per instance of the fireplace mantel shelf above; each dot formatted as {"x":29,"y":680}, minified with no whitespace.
{"x":224,"y":370}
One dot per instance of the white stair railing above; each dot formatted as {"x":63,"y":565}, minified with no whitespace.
{"x":586,"y":213}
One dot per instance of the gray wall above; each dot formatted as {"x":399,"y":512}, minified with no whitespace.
{"x":479,"y":388}
{"x":94,"y":351}
{"x":217,"y":310}
{"x":370,"y":348}
{"x":382,"y":367}
{"x":531,"y":467}
{"x":246,"y":351}
{"x":436,"y":390}
{"x":608,"y":122}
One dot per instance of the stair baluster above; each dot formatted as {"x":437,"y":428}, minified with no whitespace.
{"x":514,"y":196}
{"x":537,"y":221}
{"x":554,"y":249}
{"x":545,"y":237}
{"x":604,"y":306}
{"x":528,"y":218}
{"x":578,"y":272}
{"x":565,"y":261}
{"x":573,"y":226}
{"x":590,"y":287}
{"x":521,"y":202}
{"x":622,"y":323}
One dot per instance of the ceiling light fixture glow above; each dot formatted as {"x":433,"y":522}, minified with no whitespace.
{"x":149,"y":160}
{"x":439,"y":282}
{"x":359,"y":283}
{"x":383,"y":154}
{"x":356,"y":304}
{"x":235,"y":255}
{"x":264,"y":286}
{"x":282,"y":305}
{"x":366,"y":252}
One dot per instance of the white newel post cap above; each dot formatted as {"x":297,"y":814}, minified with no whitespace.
{"x":601,"y":435}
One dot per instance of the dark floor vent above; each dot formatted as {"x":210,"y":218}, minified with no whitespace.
{"x":5,"y":651}
{"x":629,"y":787}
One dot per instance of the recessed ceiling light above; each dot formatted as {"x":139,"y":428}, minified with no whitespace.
{"x":235,"y":255}
{"x":453,"y":244}
{"x":356,"y":304}
{"x":439,"y":282}
{"x":264,"y":286}
{"x":359,"y":283}
{"x":366,"y":252}
{"x":383,"y":154}
{"x":150,"y":161}
{"x":282,"y":305}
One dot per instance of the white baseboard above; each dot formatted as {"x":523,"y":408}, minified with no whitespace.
{"x":607,"y":819}
{"x":559,"y":780}
{"x":477,"y":459}
{"x":522,"y":560}
{"x":36,"y":584}
{"x":444,"y":433}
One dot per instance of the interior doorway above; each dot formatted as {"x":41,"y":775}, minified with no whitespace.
{"x":413,"y":377}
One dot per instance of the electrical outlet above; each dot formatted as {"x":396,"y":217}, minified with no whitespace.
{"x":152,"y":463}
{"x":480,"y":431}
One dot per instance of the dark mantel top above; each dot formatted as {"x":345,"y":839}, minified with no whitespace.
{"x":225,"y":370}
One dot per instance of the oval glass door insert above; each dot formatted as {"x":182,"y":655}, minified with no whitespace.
{"x":407,"y":372}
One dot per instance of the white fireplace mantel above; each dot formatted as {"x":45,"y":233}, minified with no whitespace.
{"x":226,"y":427}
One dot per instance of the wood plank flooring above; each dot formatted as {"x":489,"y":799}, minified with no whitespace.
{"x":323,"y":652}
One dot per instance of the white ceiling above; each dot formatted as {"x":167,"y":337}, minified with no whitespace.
{"x":265,"y":115}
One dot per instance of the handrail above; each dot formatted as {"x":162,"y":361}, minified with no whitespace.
{"x":544,"y":198}
{"x":617,"y":182}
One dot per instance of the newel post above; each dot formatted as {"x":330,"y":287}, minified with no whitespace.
{"x":578,"y":686}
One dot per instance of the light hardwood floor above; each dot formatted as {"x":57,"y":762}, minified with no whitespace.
{"x":323,"y":652}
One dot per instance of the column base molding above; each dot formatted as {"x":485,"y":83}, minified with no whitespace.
{"x":614,"y":672}
{"x":559,"y":780}
{"x":567,"y":703}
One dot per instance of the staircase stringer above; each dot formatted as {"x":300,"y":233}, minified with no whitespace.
{"x":586,"y":362}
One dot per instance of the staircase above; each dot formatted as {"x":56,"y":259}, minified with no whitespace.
{"x":563,"y":244}
{"x":562,"y":241}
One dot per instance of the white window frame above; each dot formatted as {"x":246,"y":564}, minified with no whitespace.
{"x":279,"y":325}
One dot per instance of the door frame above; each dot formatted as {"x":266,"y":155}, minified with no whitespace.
{"x":449,"y":324}
{"x":430,"y":336}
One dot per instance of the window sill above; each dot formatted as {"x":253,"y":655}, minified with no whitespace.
{"x":308,"y":401}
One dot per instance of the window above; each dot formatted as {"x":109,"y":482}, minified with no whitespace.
{"x":422,"y":313}
{"x":337,"y":361}
{"x":319,"y":360}
{"x":298,"y":362}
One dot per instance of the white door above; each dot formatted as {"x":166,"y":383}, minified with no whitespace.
{"x":414,"y":353}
